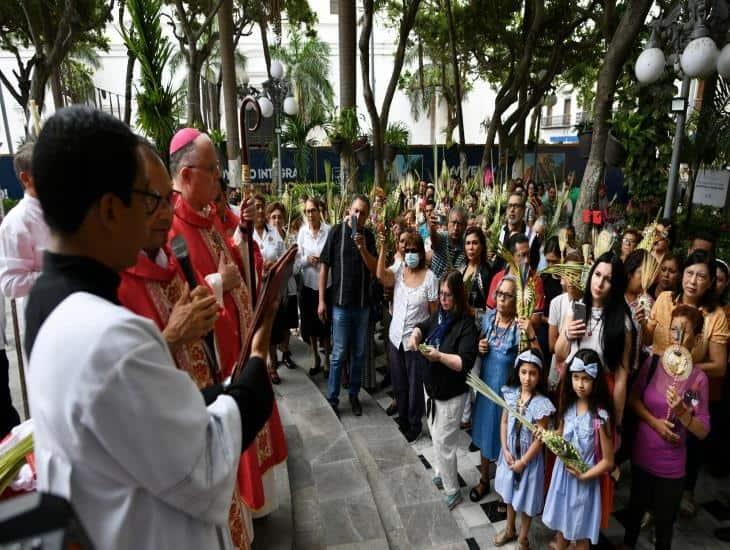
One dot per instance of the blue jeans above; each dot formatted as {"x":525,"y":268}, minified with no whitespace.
{"x":349,"y":335}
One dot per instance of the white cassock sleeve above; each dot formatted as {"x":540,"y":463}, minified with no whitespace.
{"x":152,"y":419}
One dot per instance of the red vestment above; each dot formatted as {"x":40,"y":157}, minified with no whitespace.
{"x":206,"y":242}
{"x":151,"y":291}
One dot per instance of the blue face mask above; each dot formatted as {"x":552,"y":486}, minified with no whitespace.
{"x":412,"y":259}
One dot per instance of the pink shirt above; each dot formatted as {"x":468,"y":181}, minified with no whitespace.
{"x":655,"y":455}
{"x":24,"y":236}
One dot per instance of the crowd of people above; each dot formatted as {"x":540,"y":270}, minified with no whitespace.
{"x":583,"y":362}
{"x":444,"y":285}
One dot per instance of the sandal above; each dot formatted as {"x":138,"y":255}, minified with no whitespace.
{"x":523,"y":544}
{"x":478,"y":491}
{"x":504,"y":537}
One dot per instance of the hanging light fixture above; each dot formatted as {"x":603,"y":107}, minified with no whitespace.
{"x":267,"y":108}
{"x":723,"y":62}
{"x":650,"y":64}
{"x":699,"y":58}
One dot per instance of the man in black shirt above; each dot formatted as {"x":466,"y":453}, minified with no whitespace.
{"x":349,"y":255}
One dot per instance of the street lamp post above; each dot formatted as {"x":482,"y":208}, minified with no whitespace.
{"x":276,"y":97}
{"x":692,"y":33}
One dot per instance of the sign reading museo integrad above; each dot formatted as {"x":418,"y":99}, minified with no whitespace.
{"x":711,"y":188}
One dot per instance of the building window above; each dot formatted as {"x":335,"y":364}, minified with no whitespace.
{"x":334,"y":7}
{"x":566,"y":112}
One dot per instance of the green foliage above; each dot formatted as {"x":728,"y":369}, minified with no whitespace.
{"x":307,"y":59}
{"x":217,"y":136}
{"x":77,"y":73}
{"x":9,"y":203}
{"x":396,"y":134}
{"x":159,"y":104}
{"x":295,"y":133}
{"x":428,"y":75}
{"x":709,"y":143}
{"x":644,"y":126}
{"x":345,"y":126}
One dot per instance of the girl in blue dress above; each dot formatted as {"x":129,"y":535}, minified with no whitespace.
{"x":573,"y":503}
{"x":520,"y":477}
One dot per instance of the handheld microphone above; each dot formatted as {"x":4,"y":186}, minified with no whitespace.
{"x":180,"y":250}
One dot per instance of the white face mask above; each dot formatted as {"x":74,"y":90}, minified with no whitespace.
{"x":412,"y":259}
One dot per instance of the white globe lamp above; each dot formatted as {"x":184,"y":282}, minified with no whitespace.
{"x":723,"y":62}
{"x":267,"y":108}
{"x":699,"y":58}
{"x":290,"y":106}
{"x":650,"y":65}
{"x":277,"y":70}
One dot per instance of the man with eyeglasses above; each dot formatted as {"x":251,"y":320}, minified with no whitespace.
{"x":145,"y":460}
{"x":519,"y":246}
{"x":215,"y":260}
{"x":447,"y":248}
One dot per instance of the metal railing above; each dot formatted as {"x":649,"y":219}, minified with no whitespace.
{"x":562,"y":121}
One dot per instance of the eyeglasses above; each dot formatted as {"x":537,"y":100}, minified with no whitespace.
{"x":692,"y":274}
{"x":152,"y":200}
{"x":213,"y":169}
{"x":505,"y":295}
{"x":514,"y":205}
{"x":628,"y":242}
{"x":443,"y":294}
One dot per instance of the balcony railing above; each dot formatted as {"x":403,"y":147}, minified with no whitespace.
{"x":562,"y":121}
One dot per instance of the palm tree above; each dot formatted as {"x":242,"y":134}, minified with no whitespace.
{"x":159,"y":103}
{"x":296,"y":133}
{"x":76,"y":73}
{"x":308,"y":62}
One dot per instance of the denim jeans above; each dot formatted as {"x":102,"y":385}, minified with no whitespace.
{"x":349,"y":335}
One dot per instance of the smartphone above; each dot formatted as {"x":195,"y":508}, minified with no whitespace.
{"x":353,"y":224}
{"x":579,"y":311}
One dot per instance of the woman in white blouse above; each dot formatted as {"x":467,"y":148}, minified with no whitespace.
{"x":310,"y":240}
{"x":415,"y":298}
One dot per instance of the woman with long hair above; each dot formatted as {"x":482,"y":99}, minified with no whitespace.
{"x":450,"y":339}
{"x":605,"y":328}
{"x":477,"y":278}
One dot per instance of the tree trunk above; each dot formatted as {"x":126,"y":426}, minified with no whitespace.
{"x":194,"y":114}
{"x":58,"y":101}
{"x":129,"y":75}
{"x":463,"y":166}
{"x":38,"y":85}
{"x":376,"y":126}
{"x":618,"y":52}
{"x":230,"y":100}
{"x":348,"y":58}
{"x":347,"y":31}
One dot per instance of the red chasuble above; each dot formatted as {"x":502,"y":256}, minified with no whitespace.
{"x":151,"y":291}
{"x":206,"y":242}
